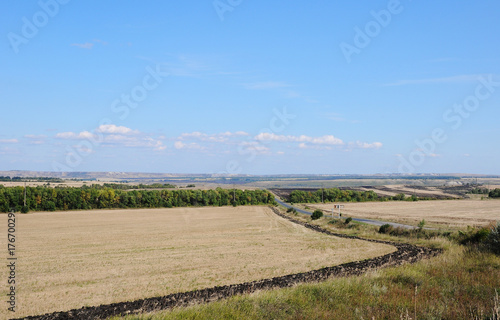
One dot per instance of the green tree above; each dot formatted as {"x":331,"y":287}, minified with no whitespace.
{"x":317,"y":214}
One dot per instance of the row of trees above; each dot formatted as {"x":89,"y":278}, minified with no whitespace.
{"x":122,"y":186}
{"x":479,"y":191}
{"x":21,"y":179}
{"x":337,"y":195}
{"x":51,"y":199}
{"x":494,"y":193}
{"x":331,"y":195}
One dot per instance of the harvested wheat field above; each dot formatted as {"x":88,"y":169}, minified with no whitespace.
{"x":72,"y":259}
{"x":445,"y":213}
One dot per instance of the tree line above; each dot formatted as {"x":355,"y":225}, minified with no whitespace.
{"x":338,"y":195}
{"x":122,"y":186}
{"x":30,"y":179}
{"x":494,"y":193}
{"x":71,"y":198}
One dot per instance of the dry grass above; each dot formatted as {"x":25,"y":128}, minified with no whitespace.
{"x":73,"y":259}
{"x":460,"y":284}
{"x":443,"y":213}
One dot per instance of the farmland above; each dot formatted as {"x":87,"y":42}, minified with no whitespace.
{"x":84,"y":258}
{"x":438,"y":213}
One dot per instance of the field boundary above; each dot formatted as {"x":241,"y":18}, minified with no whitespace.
{"x":405,"y":253}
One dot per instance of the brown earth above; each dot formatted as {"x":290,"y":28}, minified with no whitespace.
{"x":440,"y":213}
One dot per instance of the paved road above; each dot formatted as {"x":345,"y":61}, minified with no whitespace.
{"x":368,"y":221}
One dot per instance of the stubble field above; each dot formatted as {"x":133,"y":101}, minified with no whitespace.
{"x":72,"y":259}
{"x":438,"y":213}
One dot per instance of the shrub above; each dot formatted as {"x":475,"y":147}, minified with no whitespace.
{"x":494,"y":193}
{"x":317,"y":214}
{"x":473,"y":236}
{"x":401,"y":232}
{"x":385,"y":229}
{"x":348,"y":220}
{"x":25,"y":209}
{"x":421,"y":224}
{"x":492,"y":242}
{"x":399,"y":197}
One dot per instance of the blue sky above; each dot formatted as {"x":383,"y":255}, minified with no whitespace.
{"x":238,"y":86}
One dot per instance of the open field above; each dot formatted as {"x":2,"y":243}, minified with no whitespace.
{"x":441,"y":213}
{"x":408,"y":190}
{"x":81,"y":258}
{"x":456,"y":285}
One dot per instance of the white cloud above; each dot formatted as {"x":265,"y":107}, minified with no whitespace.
{"x":233,"y":134}
{"x":9,"y":141}
{"x":181,"y":145}
{"x":434,"y":155}
{"x":111,"y":128}
{"x":133,"y":142}
{"x":195,"y":135}
{"x":76,"y":136}
{"x":113,"y":135}
{"x":255,"y":146}
{"x":366,"y":145}
{"x":324,"y":140}
{"x":83,"y":149}
{"x":265,"y":136}
{"x":329,"y":140}
{"x":34,"y":139}
{"x":218,"y":137}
